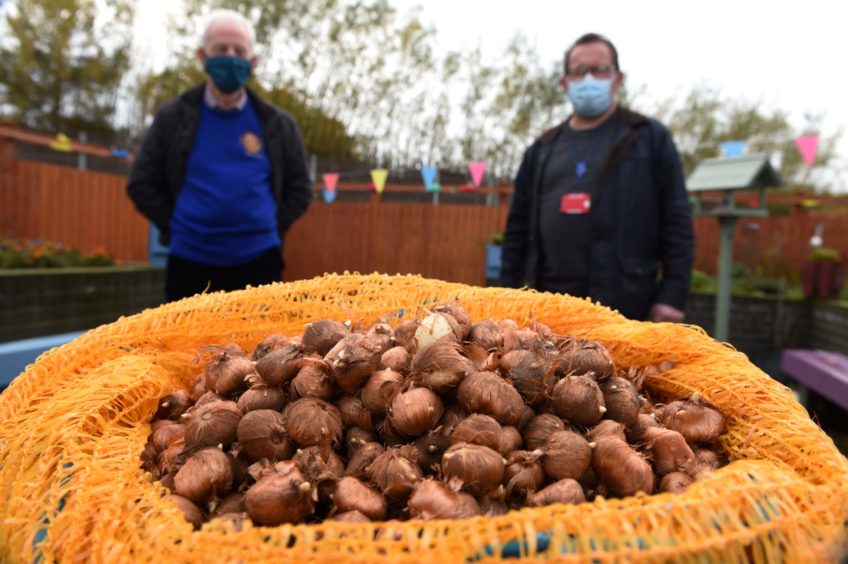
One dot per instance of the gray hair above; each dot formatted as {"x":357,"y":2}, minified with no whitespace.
{"x":231,"y":16}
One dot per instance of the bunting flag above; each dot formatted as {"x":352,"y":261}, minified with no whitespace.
{"x":329,"y":196}
{"x":428,"y":174}
{"x":808,"y":145}
{"x":120,"y":153}
{"x":477,"y":170}
{"x":378,"y":176}
{"x":434,"y":187}
{"x":733,"y":148}
{"x":62,"y":144}
{"x":331,"y":180}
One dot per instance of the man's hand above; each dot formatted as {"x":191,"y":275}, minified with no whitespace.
{"x":663,"y":312}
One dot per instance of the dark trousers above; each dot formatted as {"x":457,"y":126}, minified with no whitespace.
{"x":185,"y":277}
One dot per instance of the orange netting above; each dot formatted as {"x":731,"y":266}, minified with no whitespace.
{"x":74,"y":425}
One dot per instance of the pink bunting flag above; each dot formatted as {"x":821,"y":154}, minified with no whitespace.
{"x":331,"y":180}
{"x":808,"y":145}
{"x":477,"y":170}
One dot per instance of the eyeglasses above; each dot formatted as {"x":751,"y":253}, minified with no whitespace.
{"x":599,"y":71}
{"x":219,"y":49}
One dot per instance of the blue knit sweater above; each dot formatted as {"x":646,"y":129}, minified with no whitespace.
{"x":225,"y":214}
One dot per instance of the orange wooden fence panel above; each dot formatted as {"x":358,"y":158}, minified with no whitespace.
{"x":775,"y":244}
{"x":84,"y":209}
{"x":445,"y":241}
{"x":90,"y":210}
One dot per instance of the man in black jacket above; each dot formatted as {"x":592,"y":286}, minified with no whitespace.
{"x":600,"y":208}
{"x":222,"y":173}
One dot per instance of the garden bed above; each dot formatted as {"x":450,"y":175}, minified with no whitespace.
{"x":772,"y":323}
{"x":44,"y":301}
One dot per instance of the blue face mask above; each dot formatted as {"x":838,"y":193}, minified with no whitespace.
{"x":228,"y":73}
{"x":591,"y":96}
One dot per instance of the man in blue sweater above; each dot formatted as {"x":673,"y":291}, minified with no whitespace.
{"x":222,"y":173}
{"x":600,"y":208}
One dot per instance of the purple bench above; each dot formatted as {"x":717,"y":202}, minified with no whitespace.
{"x":824,"y":372}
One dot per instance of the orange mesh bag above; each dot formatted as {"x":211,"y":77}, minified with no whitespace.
{"x":74,"y":425}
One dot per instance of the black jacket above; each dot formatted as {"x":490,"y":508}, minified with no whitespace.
{"x":160,"y":165}
{"x":642,"y":249}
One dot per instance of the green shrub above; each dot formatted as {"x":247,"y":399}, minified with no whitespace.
{"x":702,"y":282}
{"x":825,"y":253}
{"x":745,"y":282}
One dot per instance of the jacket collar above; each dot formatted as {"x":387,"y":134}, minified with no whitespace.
{"x":194,"y":98}
{"x":629,"y":117}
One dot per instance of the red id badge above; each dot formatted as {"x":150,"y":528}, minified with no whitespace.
{"x":578,"y":203}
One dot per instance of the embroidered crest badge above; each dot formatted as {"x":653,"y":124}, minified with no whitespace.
{"x":251,"y":143}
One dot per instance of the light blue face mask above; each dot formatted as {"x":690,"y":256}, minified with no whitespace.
{"x":228,"y":73}
{"x":591,"y":96}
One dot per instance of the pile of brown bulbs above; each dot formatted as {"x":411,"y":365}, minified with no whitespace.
{"x":434,"y":418}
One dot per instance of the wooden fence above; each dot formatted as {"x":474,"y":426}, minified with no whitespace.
{"x":90,"y":210}
{"x":83,"y":209}
{"x":776,"y":245}
{"x":444,"y":241}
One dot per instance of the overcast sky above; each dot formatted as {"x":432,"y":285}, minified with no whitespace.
{"x":784,"y":55}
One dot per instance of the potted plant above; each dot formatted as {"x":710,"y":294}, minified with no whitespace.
{"x":823,"y":274}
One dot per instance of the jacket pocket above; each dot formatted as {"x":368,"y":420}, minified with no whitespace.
{"x":639,"y":267}
{"x":637,"y":286}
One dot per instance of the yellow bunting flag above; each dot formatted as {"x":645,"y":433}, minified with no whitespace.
{"x":378,"y":177}
{"x":62,"y":143}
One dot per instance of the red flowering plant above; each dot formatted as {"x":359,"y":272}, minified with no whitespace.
{"x":39,"y":253}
